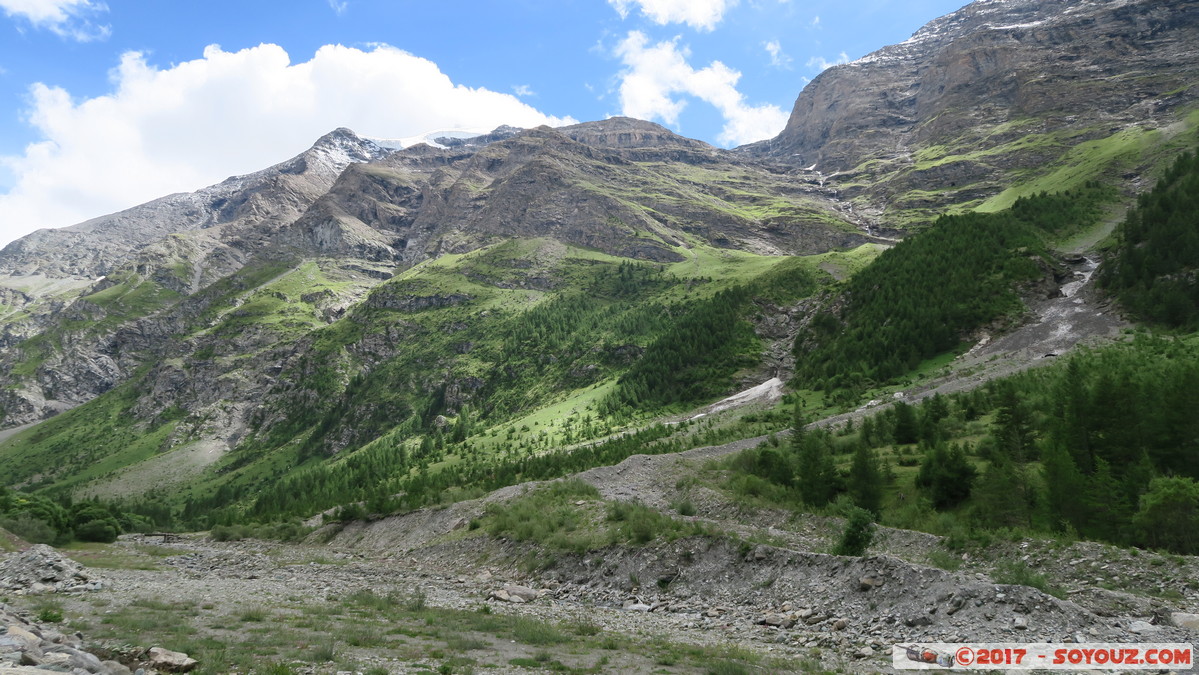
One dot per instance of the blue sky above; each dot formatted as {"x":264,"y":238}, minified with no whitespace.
{"x":104,"y":105}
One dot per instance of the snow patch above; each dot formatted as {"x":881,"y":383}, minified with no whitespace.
{"x":427,"y":138}
{"x":769,"y":391}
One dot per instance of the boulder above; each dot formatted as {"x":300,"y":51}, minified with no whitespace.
{"x":778,"y":620}
{"x":1143,"y":627}
{"x":917,"y":620}
{"x":1185,"y":620}
{"x":525,"y":593}
{"x":171,"y":662}
{"x":869,"y":582}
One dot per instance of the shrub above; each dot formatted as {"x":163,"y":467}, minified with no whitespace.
{"x":858,"y":533}
{"x":97,"y":530}
{"x":31,"y":529}
{"x":229,"y":532}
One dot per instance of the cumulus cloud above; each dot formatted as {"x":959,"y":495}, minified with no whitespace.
{"x":778,"y":58}
{"x":70,"y":19}
{"x":699,"y":14}
{"x":176,"y":129}
{"x":523,"y":90}
{"x":821,"y":63}
{"x":656,"y":74}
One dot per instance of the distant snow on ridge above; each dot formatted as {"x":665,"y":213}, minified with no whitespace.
{"x":426,"y":138}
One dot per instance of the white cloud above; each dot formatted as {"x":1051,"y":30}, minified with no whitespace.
{"x":523,"y":90}
{"x":821,"y":63}
{"x":815,"y":22}
{"x":655,"y":74}
{"x":699,"y":14}
{"x":339,"y":7}
{"x":66,"y":18}
{"x":778,"y":58}
{"x":195,"y":123}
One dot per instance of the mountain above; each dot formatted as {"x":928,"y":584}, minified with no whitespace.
{"x":998,"y":99}
{"x":241,"y":209}
{"x":587,"y":357}
{"x":360,"y":216}
{"x":363,"y":318}
{"x":113,"y":270}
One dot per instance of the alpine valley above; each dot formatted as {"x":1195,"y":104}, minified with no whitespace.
{"x":602,"y":398}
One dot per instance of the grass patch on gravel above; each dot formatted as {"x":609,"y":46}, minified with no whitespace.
{"x":112,"y":556}
{"x":356,"y":631}
{"x":563,"y":516}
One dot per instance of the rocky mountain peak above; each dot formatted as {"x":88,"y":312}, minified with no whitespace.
{"x":988,"y":75}
{"x":276,"y":194}
{"x":629,"y":133}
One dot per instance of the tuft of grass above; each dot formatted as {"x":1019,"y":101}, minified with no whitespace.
{"x":534,"y":632}
{"x":253,"y":615}
{"x":49,"y":614}
{"x":1017,"y":573}
{"x":325,"y":653}
{"x":944,"y":560}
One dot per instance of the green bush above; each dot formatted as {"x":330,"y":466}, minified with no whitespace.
{"x":104,"y":530}
{"x":229,"y":533}
{"x":858,"y":533}
{"x":30,"y":528}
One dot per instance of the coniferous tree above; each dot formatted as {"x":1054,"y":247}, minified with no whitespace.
{"x":906,"y":429}
{"x":1169,"y":515}
{"x":1002,"y":494}
{"x":1064,"y":484}
{"x":865,"y":484}
{"x":947,"y":475}
{"x":817,"y":475}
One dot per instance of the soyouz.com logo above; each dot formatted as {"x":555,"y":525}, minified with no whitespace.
{"x":1042,"y":656}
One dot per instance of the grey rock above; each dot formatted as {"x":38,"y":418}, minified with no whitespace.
{"x":1143,"y":627}
{"x":917,"y":620}
{"x":1185,"y":620}
{"x":170,"y":661}
{"x":525,"y":593}
{"x":870,"y":582}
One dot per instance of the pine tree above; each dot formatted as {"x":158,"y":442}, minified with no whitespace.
{"x":1169,"y":515}
{"x":865,"y":484}
{"x":906,"y":429}
{"x":1064,"y":483}
{"x":1001,"y":494}
{"x":817,"y":479}
{"x":947,"y":475}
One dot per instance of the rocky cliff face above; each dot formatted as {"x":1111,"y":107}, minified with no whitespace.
{"x":625,"y":187}
{"x":120,"y":291}
{"x":228,"y":211}
{"x":106,"y":277}
{"x":992,"y":92}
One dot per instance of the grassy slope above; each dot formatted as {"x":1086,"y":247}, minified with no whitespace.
{"x":1068,"y":163}
{"x":501,"y":287}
